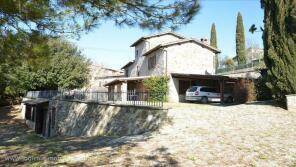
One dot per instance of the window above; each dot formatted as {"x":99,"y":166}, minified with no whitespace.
{"x":126,"y":72}
{"x":205,"y":89}
{"x":192,"y":89}
{"x":137,"y":54}
{"x":151,"y":62}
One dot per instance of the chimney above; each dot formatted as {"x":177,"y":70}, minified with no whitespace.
{"x":204,"y":40}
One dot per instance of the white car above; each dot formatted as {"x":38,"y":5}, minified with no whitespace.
{"x":206,"y":94}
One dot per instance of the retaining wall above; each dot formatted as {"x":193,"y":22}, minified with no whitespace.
{"x":76,"y":118}
{"x":291,"y":102}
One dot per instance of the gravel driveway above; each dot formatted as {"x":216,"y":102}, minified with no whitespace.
{"x":195,"y":135}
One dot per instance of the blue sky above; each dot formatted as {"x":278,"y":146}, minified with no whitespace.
{"x":110,"y":45}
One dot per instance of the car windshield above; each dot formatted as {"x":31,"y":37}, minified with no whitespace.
{"x":192,"y":89}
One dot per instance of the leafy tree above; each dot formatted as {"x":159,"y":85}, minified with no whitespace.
{"x":67,"y":68}
{"x":15,"y":49}
{"x":279,"y":46}
{"x":240,"y":40}
{"x":213,"y":42}
{"x":62,"y":67}
{"x":229,"y":62}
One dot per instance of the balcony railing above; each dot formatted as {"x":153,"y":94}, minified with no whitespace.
{"x":252,"y":65}
{"x":129,"y":97}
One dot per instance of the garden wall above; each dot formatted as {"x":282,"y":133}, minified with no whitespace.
{"x":291,"y":102}
{"x":76,"y":118}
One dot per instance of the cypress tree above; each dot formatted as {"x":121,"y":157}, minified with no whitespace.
{"x":213,"y":36}
{"x":213,"y":42}
{"x":240,"y":40}
{"x":279,"y":46}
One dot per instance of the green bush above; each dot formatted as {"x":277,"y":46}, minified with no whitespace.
{"x":262,"y":91}
{"x":157,"y":87}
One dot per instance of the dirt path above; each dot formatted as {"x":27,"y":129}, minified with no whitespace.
{"x":197,"y":135}
{"x":11,"y":124}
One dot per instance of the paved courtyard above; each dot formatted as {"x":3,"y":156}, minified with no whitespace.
{"x":194,"y":135}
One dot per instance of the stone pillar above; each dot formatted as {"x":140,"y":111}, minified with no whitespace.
{"x":124,"y":91}
{"x":173,"y":90}
{"x":291,"y":102}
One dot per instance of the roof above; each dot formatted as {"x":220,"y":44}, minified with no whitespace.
{"x":157,"y":35}
{"x":181,"y":42}
{"x":128,"y":64}
{"x":203,"y":76}
{"x":36,"y":101}
{"x":119,"y":80}
{"x":106,"y":68}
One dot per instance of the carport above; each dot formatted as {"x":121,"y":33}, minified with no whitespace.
{"x":222,"y":83}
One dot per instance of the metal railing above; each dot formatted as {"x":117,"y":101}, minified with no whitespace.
{"x":128,"y":98}
{"x":240,"y":67}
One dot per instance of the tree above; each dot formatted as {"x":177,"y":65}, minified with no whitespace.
{"x":158,"y":87}
{"x":213,"y":36}
{"x":213,"y":42}
{"x":229,"y":63}
{"x":240,"y":40}
{"x":279,"y":46}
{"x":66,"y":68}
{"x":56,"y":17}
{"x":62,"y":66}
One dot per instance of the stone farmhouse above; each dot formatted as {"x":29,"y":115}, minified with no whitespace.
{"x":186,"y":61}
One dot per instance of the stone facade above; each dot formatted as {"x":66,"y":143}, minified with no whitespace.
{"x":140,"y":66}
{"x":99,"y":76}
{"x":74,"y":118}
{"x":174,"y":54}
{"x":291,"y":102}
{"x":186,"y":58}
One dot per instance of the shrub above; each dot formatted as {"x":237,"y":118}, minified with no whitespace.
{"x":244,"y":91}
{"x":158,"y":87}
{"x":262,"y":91}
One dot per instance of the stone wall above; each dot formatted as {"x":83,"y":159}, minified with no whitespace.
{"x":291,"y":102}
{"x":190,"y":58}
{"x":99,"y":76}
{"x":75,"y":118}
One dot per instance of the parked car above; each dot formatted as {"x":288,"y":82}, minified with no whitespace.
{"x":205,"y":94}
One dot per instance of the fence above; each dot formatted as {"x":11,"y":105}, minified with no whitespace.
{"x":130,"y":97}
